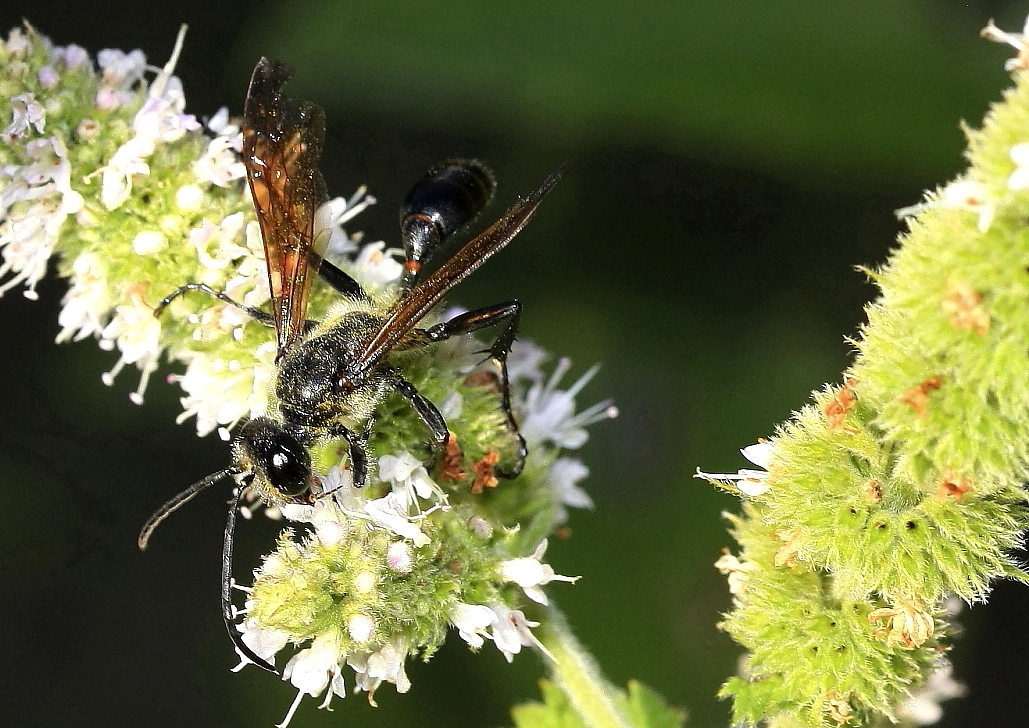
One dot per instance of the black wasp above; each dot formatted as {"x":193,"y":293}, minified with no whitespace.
{"x":331,"y":375}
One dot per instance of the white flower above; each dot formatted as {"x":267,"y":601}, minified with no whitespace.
{"x":120,"y":69}
{"x":1019,"y":178}
{"x":375,"y":267}
{"x":134,"y":331}
{"x":563,"y":475}
{"x":264,"y":641}
{"x":387,"y":513}
{"x":220,"y":393}
{"x":511,"y":631}
{"x":974,"y":197}
{"x":221,"y":164}
{"x":314,"y":669}
{"x":25,"y":112}
{"x":87,"y":302}
{"x":17,"y":43}
{"x":550,"y":412}
{"x":737,"y":572}
{"x":35,"y":200}
{"x":331,"y":217}
{"x":1015,"y":40}
{"x":524,"y":360}
{"x":749,"y":482}
{"x":922,"y":707}
{"x":159,"y":119}
{"x":472,"y":621}
{"x":530,"y":573}
{"x":410,"y":481}
{"x":383,"y":665}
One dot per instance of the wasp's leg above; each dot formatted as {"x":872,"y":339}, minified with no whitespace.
{"x":358,"y":449}
{"x":481,"y":318}
{"x":229,"y":611}
{"x":342,"y":283}
{"x":259,"y":316}
{"x":428,"y":413}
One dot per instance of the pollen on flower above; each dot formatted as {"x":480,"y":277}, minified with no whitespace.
{"x":786,"y":555}
{"x":838,"y":406}
{"x":952,"y":489}
{"x":911,"y":624}
{"x":838,"y":708}
{"x":483,"y":468}
{"x":918,"y":396}
{"x":963,"y":309}
{"x":736,"y":571}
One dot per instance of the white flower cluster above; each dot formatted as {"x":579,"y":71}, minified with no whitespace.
{"x":318,"y":667}
{"x":36,"y":197}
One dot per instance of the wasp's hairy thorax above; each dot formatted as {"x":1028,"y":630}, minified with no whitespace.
{"x":309,"y":386}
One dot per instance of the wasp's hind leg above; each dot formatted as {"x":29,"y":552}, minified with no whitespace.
{"x":259,"y":316}
{"x":481,"y":318}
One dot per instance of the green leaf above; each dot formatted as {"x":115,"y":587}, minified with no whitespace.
{"x":641,"y":706}
{"x":646,"y":709}
{"x":553,"y":712}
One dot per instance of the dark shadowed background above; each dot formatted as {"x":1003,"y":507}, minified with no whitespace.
{"x":728,"y":166}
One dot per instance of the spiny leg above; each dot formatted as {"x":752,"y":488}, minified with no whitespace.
{"x":259,"y":316}
{"x":482,"y":318}
{"x":428,"y":413}
{"x":358,"y":453}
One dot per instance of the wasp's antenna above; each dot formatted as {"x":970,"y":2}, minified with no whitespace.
{"x":228,"y":611}
{"x":173,"y":505}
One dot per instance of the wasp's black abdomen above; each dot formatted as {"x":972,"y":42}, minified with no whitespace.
{"x":444,"y":200}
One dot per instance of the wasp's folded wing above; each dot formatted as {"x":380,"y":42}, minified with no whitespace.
{"x":282,"y":141}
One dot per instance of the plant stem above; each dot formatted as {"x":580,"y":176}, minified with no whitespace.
{"x":575,"y":672}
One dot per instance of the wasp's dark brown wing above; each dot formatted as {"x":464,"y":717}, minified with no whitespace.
{"x":282,"y":141}
{"x":410,"y":309}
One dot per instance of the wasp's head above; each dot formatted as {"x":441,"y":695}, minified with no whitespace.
{"x":280,"y":464}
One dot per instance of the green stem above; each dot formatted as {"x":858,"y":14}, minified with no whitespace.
{"x":577,"y":675}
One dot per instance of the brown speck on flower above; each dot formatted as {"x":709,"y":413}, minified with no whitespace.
{"x":839,"y":708}
{"x":483,"y":469}
{"x":873,"y":490}
{"x":483,"y":378}
{"x":786,"y":555}
{"x":450,"y":463}
{"x":910,"y":625}
{"x":563,"y":533}
{"x":961,"y":304}
{"x":836,"y":408}
{"x":951,"y":489}
{"x":918,"y":396}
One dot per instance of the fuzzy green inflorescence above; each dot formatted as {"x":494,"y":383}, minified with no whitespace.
{"x":106,"y":173}
{"x":904,"y":486}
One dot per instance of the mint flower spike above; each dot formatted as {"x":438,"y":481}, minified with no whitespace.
{"x":902,"y":489}
{"x":106,"y":173}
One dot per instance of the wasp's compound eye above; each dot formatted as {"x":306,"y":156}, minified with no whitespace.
{"x":288,"y":466}
{"x":269,"y":449}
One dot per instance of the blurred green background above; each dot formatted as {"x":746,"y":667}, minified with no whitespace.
{"x":728,"y":166}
